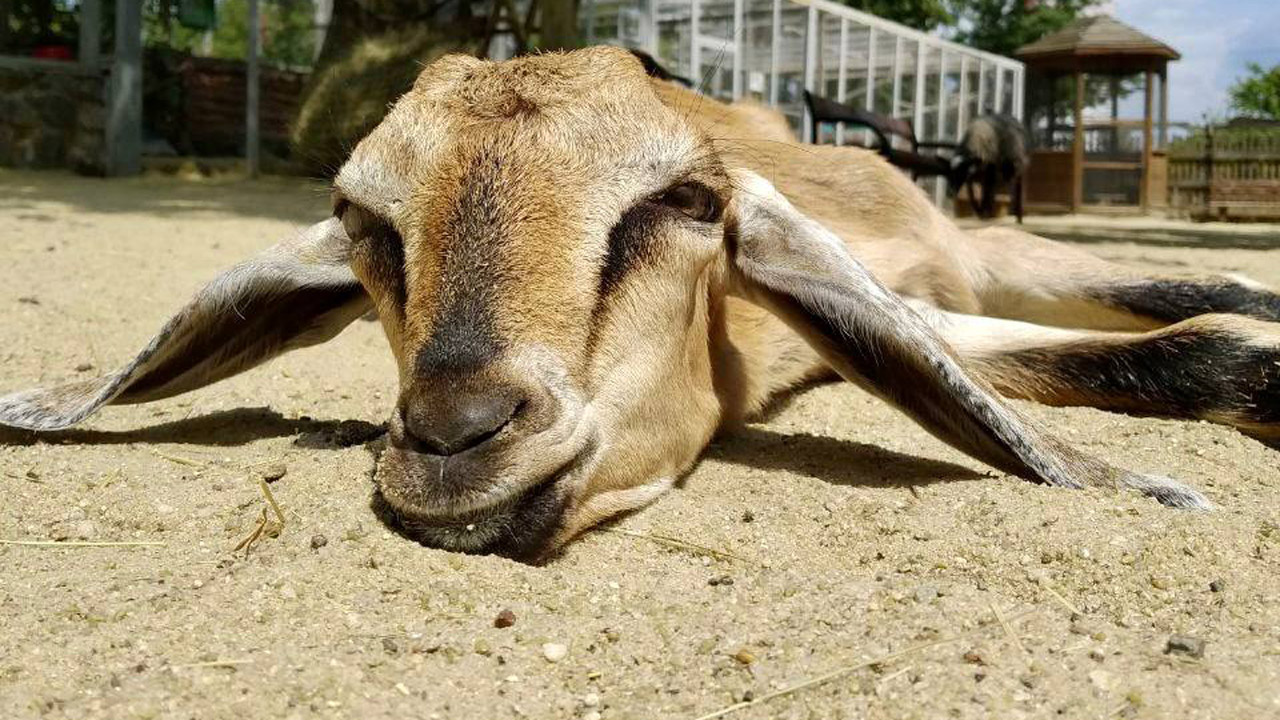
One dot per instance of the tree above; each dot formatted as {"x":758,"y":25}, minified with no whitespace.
{"x":1257,"y":94}
{"x":1002,"y":26}
{"x":919,"y":14}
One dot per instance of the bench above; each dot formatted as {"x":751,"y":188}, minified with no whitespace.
{"x":884,"y":128}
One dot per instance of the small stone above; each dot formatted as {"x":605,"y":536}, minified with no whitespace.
{"x":744,"y":657}
{"x":28,"y":300}
{"x":1160,"y":582}
{"x":591,"y":700}
{"x":926,"y":594}
{"x":481,"y":647}
{"x":720,"y":580}
{"x":554,"y":652}
{"x":85,"y":530}
{"x":1081,"y":628}
{"x":748,"y":516}
{"x":1098,"y":655}
{"x":318,"y":541}
{"x":612,"y":635}
{"x":390,"y":646}
{"x":1217,"y":586}
{"x":1185,"y":645}
{"x":84,"y":367}
{"x":273,"y":471}
{"x":974,"y":658}
{"x":593,"y":715}
{"x":505,"y":619}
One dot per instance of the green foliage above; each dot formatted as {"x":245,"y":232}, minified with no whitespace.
{"x":1002,"y":26}
{"x":288,"y":38}
{"x":38,"y":22}
{"x":919,"y":14}
{"x":1258,"y":93}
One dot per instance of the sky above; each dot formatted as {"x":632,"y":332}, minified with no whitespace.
{"x":1217,"y":39}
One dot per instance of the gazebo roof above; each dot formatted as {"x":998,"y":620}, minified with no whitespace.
{"x":1095,"y":36}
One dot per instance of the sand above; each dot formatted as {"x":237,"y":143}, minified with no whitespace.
{"x":843,"y":535}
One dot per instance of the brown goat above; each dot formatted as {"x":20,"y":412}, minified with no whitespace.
{"x":584,"y":272}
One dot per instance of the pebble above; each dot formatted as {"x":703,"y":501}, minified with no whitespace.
{"x":591,"y":699}
{"x":481,"y":647}
{"x":555,"y":652}
{"x":318,"y":541}
{"x":744,"y":657}
{"x":1218,"y":586}
{"x":505,"y":619}
{"x":721,"y":580}
{"x":1160,"y":582}
{"x":84,"y":367}
{"x":1185,"y":645}
{"x":593,"y":715}
{"x":748,"y":516}
{"x":926,"y":594}
{"x":274,"y":471}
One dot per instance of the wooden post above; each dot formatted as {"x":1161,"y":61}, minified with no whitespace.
{"x":90,"y":32}
{"x":1077,"y":148}
{"x":251,"y":143}
{"x":1164,"y":106}
{"x":1144,"y":192}
{"x":124,"y":108}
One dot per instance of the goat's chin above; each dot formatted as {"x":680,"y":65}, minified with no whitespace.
{"x":517,"y":518}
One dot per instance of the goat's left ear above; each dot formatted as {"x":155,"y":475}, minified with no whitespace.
{"x":300,"y":292}
{"x":801,"y":272}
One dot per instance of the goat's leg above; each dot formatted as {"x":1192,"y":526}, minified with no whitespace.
{"x":1220,"y":368}
{"x":1022,"y":276}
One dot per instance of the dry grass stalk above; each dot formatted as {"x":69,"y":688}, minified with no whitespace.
{"x":676,"y":543}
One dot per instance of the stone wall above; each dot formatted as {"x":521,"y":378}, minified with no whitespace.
{"x":52,"y":117}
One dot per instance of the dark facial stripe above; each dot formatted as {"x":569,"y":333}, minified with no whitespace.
{"x":630,"y":242}
{"x":1174,"y":300}
{"x":464,"y":337}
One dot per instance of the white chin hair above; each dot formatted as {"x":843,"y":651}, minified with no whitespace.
{"x":460,"y":536}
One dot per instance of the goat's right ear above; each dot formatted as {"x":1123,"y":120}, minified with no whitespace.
{"x":300,"y":292}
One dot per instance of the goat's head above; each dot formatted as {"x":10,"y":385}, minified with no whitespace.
{"x":542,"y":239}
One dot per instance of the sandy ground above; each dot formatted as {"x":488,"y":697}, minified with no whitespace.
{"x":857,"y":540}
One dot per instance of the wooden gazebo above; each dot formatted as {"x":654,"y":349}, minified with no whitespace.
{"x":1095,"y":159}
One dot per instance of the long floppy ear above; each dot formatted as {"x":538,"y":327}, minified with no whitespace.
{"x":298,"y":293}
{"x":801,"y":272}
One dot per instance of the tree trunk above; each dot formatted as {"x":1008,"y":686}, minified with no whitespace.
{"x":559,"y":30}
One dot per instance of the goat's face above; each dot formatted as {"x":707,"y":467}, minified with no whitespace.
{"x":543,"y":241}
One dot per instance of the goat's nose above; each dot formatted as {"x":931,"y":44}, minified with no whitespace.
{"x":449,"y":422}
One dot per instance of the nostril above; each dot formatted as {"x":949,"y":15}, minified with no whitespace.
{"x":449,"y":425}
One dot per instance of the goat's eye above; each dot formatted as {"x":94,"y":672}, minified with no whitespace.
{"x":693,"y":199}
{"x":360,"y":224}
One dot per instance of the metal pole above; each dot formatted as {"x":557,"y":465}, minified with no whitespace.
{"x":737,"y":48}
{"x":982,"y":87}
{"x":999,"y":104}
{"x":962,"y":119}
{"x":942,"y":98}
{"x":251,"y":156}
{"x":695,"y":50}
{"x":842,"y":74}
{"x":870,"y":102}
{"x":917,"y":121}
{"x":896,"y":108}
{"x":124,"y":114}
{"x":810,"y":67}
{"x":775,"y":50}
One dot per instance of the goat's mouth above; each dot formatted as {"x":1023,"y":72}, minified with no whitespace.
{"x":522,"y":526}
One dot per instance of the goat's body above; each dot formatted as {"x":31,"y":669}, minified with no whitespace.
{"x":1030,"y":314}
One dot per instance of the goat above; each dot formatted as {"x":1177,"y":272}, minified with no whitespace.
{"x":584,"y":272}
{"x":993,"y":153}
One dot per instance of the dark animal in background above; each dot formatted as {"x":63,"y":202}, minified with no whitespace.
{"x":992,"y":153}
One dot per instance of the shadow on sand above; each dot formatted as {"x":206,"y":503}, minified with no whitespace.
{"x":840,"y":462}
{"x":224,"y":428}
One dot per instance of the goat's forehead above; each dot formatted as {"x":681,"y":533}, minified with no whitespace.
{"x":570,"y":113}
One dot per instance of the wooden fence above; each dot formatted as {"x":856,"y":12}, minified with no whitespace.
{"x":1219,"y":175}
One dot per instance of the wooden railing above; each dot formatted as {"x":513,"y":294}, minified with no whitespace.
{"x":1226,"y":175}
